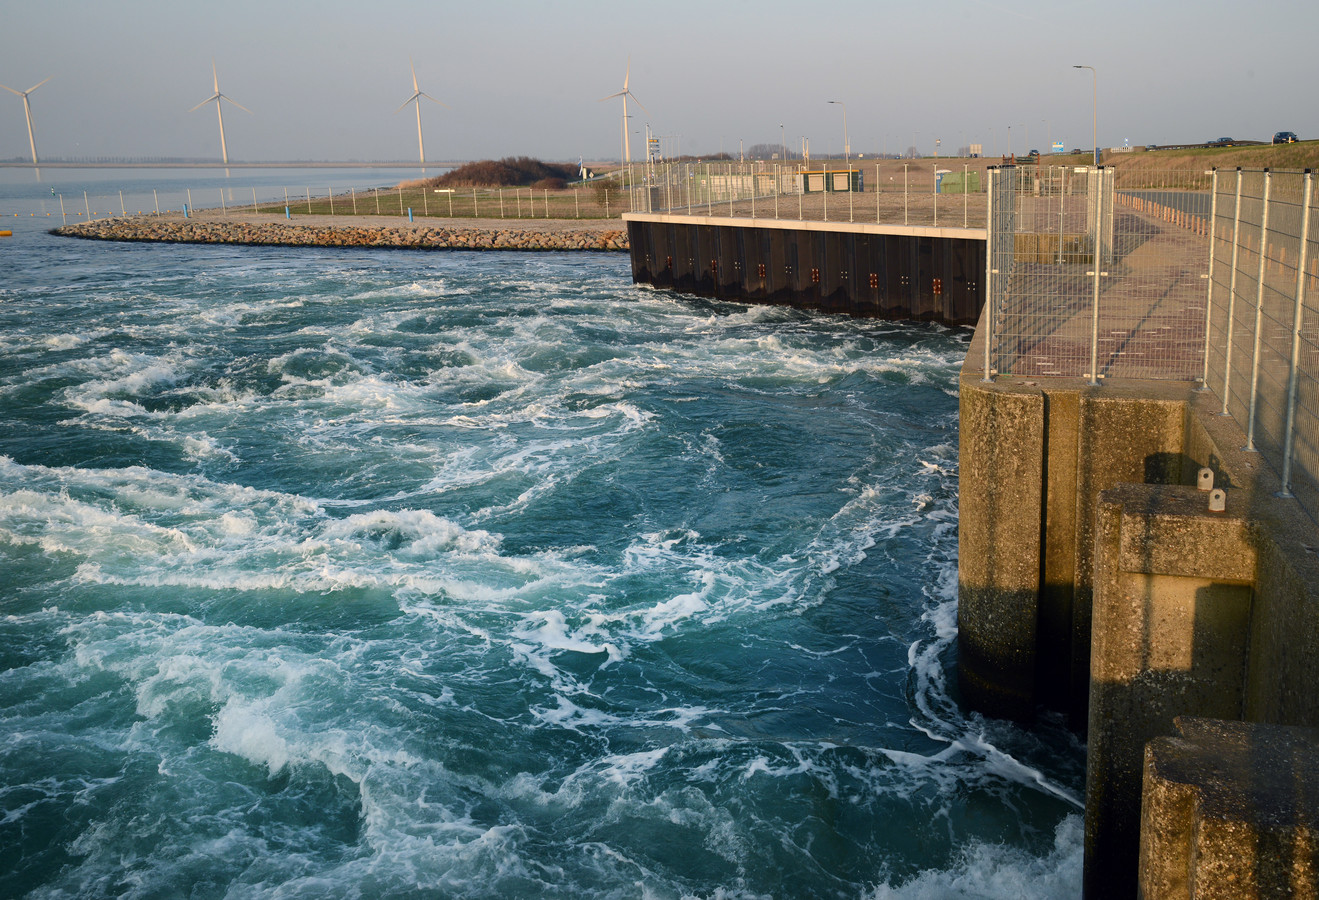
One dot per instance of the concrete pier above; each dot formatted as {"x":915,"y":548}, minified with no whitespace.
{"x":1094,"y":579}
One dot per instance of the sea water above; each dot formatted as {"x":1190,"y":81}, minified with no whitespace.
{"x":437,"y":574}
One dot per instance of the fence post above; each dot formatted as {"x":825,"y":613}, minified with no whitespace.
{"x":1292,"y":379}
{"x":1209,"y":294}
{"x":936,"y":194}
{"x":1259,"y":315}
{"x":1097,"y":212}
{"x":988,"y":317}
{"x":1232,"y":299}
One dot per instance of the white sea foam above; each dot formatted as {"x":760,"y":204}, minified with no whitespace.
{"x":990,"y":872}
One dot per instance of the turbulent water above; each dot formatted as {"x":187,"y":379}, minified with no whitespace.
{"x":391,"y":574}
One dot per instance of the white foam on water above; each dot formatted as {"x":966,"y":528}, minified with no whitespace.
{"x":985,"y":871}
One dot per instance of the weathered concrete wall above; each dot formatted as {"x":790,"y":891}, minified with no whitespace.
{"x":890,"y":272}
{"x":1034,"y":456}
{"x":1001,"y":448}
{"x":1230,"y":811}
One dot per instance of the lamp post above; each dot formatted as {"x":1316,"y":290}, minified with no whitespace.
{"x":1094,"y":111}
{"x":783,"y":139}
{"x":847,"y":147}
{"x":847,"y":155}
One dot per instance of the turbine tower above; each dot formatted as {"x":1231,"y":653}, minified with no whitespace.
{"x":217,"y":97}
{"x":27,"y":111}
{"x":417,"y":94}
{"x":625,"y":93}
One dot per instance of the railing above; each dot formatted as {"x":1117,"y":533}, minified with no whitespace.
{"x":923,"y":192}
{"x":603,"y":199}
{"x":1209,"y":277}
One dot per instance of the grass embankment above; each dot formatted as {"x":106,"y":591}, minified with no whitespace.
{"x":1301,"y":155}
{"x":509,"y":188}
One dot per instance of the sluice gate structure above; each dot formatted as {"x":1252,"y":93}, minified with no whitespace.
{"x":1139,"y":484}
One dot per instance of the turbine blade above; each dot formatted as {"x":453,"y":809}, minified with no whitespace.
{"x":37,"y":85}
{"x":11,"y":90}
{"x":628,"y":73}
{"x":432,"y":99}
{"x":204,"y":102}
{"x":638,"y":102}
{"x":216,"y":76}
{"x":407,"y":101}
{"x":414,"y":76}
{"x":237,"y":104}
{"x":611,"y":97}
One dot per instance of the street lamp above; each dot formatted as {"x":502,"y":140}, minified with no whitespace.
{"x":1094,"y":111}
{"x":847,"y":154}
{"x":847,"y":147}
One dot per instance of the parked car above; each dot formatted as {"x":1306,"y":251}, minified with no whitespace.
{"x":1222,"y":142}
{"x":1285,"y":137}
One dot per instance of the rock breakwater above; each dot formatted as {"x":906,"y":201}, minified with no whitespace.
{"x":412,"y":237}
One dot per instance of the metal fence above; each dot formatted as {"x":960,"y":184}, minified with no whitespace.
{"x":1211,"y":277}
{"x":1095,"y":274}
{"x":1263,"y":326}
{"x":407,"y":200}
{"x":925,"y":192}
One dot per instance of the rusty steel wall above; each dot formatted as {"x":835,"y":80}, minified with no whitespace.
{"x":887,"y":276}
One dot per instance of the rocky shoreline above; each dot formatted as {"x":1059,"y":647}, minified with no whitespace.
{"x":552,"y":235}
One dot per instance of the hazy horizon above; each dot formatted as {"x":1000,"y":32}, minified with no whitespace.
{"x":323,"y":81}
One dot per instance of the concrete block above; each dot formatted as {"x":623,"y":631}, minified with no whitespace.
{"x":1171,"y":615}
{"x":1230,"y":810}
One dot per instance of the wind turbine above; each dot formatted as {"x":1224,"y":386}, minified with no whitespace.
{"x":27,"y":111}
{"x":625,"y":93}
{"x":217,"y":97}
{"x":417,"y":94}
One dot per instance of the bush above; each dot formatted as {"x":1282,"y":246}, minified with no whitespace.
{"x":511,"y":171}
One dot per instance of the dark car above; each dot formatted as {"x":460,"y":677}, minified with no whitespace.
{"x":1222,"y":142}
{"x":1285,"y":137}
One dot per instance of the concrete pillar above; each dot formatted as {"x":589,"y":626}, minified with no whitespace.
{"x":1000,"y":496}
{"x":1171,"y":615}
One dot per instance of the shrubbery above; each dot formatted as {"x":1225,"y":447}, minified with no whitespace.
{"x":511,"y":171}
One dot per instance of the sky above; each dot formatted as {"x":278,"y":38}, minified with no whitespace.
{"x":324,"y":80}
